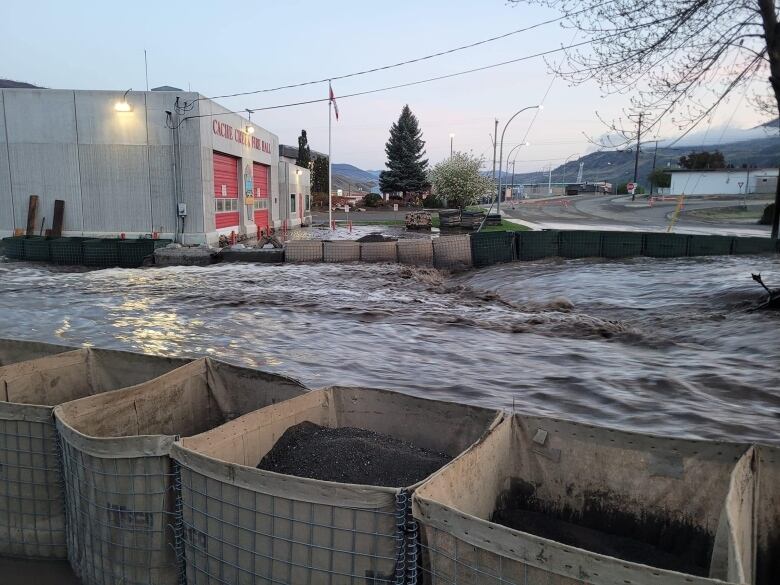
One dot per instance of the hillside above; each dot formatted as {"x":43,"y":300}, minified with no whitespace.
{"x":349,"y":177}
{"x":10,"y":84}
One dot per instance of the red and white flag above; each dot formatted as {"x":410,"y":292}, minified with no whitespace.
{"x":333,"y":101}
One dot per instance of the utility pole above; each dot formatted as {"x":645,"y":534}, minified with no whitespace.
{"x":652,"y":173}
{"x":495,"y":144}
{"x":549,"y":182}
{"x":636,"y":158}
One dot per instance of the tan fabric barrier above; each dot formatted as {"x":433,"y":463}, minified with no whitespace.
{"x":32,"y":522}
{"x":691,"y":495}
{"x":245,"y":525}
{"x":341,"y":251}
{"x":379,"y":252}
{"x":13,"y":351}
{"x":417,"y":252}
{"x":303,"y":251}
{"x":452,"y":252}
{"x":121,"y":486}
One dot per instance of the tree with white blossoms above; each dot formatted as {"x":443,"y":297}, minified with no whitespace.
{"x":458,"y":180}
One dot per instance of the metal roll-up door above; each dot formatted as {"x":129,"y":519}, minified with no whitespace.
{"x":225,"y":191}
{"x":260,"y":179}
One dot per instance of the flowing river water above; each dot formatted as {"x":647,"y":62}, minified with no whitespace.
{"x":657,"y":346}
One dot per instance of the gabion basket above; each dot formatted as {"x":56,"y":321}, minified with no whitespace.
{"x":67,"y":250}
{"x":13,"y":247}
{"x":101,"y":253}
{"x":37,"y":249}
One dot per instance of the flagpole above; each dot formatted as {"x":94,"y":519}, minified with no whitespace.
{"x":330,"y":179}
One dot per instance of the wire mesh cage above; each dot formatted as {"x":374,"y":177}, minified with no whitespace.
{"x":13,"y":247}
{"x":537,"y":245}
{"x":101,"y":252}
{"x":303,"y":251}
{"x":37,"y":249}
{"x":341,"y":251}
{"x":13,"y":351}
{"x":452,"y":252}
{"x":67,"y":250}
{"x":122,"y":487}
{"x":751,"y":245}
{"x":579,"y":244}
{"x":379,"y":252}
{"x":133,"y":252}
{"x":416,"y":252}
{"x":488,"y":248}
{"x":32,"y":521}
{"x":666,"y":245}
{"x":621,"y":244}
{"x":542,"y":500}
{"x":247,"y":525}
{"x":710,"y":245}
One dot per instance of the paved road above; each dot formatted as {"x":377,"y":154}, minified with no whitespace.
{"x":618,"y":212}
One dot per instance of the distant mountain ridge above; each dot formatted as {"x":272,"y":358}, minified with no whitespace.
{"x":11,"y":84}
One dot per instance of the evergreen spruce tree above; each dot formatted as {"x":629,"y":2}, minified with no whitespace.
{"x":406,"y":168}
{"x":304,"y":152}
{"x":319,"y":175}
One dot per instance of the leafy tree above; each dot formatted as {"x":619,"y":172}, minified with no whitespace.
{"x":622,"y":189}
{"x":766,"y":216}
{"x":680,"y":59}
{"x":304,"y":152}
{"x":319,"y":175}
{"x":458,"y":180}
{"x":406,"y":167}
{"x":703,"y":160}
{"x":372,"y":199}
{"x":660,"y":178}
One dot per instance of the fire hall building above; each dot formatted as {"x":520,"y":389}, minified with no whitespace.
{"x":164,"y":162}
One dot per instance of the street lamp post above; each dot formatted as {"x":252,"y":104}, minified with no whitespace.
{"x":501,"y":152}
{"x":452,"y":137}
{"x":516,"y":147}
{"x":564,"y":167}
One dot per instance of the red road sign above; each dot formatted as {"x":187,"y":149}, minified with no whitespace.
{"x":631,"y":186}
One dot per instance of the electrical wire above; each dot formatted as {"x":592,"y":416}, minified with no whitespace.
{"x":411,"y":61}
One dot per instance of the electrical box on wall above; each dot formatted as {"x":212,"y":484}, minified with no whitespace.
{"x":182,"y":209}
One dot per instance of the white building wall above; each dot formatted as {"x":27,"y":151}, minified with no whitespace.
{"x":6,"y":201}
{"x":291,"y":182}
{"x":267,"y":153}
{"x":726,"y":182}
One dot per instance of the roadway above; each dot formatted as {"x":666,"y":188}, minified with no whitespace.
{"x":610,"y":212}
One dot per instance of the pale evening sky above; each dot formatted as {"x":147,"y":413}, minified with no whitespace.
{"x":219,"y":48}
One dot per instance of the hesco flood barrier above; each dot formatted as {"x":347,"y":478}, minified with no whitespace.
{"x":97,"y":252}
{"x":246,"y":525}
{"x":340,"y":251}
{"x":693,"y":502}
{"x":121,"y":486}
{"x":379,"y":252}
{"x":416,"y":252}
{"x":17,"y":350}
{"x":452,"y":252}
{"x":32,"y":509}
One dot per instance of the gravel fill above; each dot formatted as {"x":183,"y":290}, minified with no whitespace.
{"x":350,"y":455}
{"x":596,"y":541}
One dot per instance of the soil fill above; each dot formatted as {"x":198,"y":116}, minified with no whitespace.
{"x":350,"y":455}
{"x":620,"y":547}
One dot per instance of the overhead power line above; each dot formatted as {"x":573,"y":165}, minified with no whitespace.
{"x":417,"y":59}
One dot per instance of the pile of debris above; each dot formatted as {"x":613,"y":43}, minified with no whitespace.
{"x":418,"y":220}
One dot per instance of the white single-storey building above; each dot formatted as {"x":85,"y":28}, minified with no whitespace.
{"x":168,"y":162}
{"x":723,"y":181}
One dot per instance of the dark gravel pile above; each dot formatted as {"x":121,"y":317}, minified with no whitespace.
{"x":350,"y":455}
{"x":596,"y":541}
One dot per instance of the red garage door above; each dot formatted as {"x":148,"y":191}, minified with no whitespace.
{"x":260,"y":177}
{"x":225,"y":191}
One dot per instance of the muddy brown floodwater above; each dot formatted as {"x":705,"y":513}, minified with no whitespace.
{"x":656,"y":346}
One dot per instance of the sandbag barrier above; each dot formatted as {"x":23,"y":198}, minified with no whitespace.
{"x":97,"y":252}
{"x":697,"y":499}
{"x":121,"y":487}
{"x":246,"y":525}
{"x":32,"y":520}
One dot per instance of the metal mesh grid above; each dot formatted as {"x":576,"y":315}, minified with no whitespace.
{"x":37,"y":249}
{"x":447,"y":560}
{"x":341,"y":251}
{"x":303,"y":251}
{"x":709,"y":245}
{"x":621,"y":244}
{"x":666,"y":245}
{"x":67,"y":251}
{"x":579,"y":244}
{"x":13,"y":247}
{"x":418,"y":252}
{"x":235,"y":535}
{"x":754,"y":245}
{"x":452,"y":252}
{"x":489,"y":248}
{"x":102,"y":253}
{"x":121,"y":518}
{"x":379,"y":252}
{"x":537,"y":245}
{"x":131,"y":253}
{"x":32,"y":515}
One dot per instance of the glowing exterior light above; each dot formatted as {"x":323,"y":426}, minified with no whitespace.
{"x":124,"y":106}
{"x":250,"y":129}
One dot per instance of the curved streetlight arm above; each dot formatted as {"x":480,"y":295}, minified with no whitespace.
{"x":501,"y":153}
{"x":564,"y":168}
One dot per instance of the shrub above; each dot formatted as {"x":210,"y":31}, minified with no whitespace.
{"x":766,"y":217}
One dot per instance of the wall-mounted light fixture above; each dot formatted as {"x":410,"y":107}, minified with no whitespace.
{"x":124,"y":106}
{"x":298,"y":172}
{"x":249,"y":128}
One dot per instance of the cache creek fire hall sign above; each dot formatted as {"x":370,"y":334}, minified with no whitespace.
{"x":230,"y":133}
